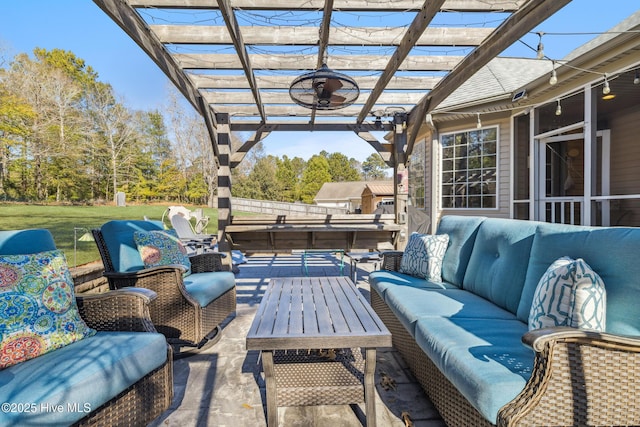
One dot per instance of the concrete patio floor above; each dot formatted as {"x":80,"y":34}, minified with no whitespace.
{"x":223,"y":386}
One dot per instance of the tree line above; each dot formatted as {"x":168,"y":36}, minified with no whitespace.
{"x":65,"y":136}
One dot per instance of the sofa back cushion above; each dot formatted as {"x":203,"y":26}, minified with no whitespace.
{"x":498,"y":263}
{"x":118,"y":238}
{"x":462,"y":232}
{"x":611,"y":252}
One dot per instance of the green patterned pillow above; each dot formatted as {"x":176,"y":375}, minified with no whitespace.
{"x":423,"y":256}
{"x":159,"y":248}
{"x":571,"y":294}
{"x":37,"y":306}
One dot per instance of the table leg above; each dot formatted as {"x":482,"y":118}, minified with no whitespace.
{"x":270,"y":384}
{"x":369,"y":387}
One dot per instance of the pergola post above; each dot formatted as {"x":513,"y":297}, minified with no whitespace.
{"x":224,"y":185}
{"x":399,"y":168}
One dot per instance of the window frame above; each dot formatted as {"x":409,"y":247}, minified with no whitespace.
{"x":455,"y":149}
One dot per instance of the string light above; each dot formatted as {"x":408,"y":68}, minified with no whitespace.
{"x":540,"y":49}
{"x":636,"y":79}
{"x":558,"y":108}
{"x":554,"y":76}
{"x":606,"y":89}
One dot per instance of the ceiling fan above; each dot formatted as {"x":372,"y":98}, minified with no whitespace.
{"x":324,"y":89}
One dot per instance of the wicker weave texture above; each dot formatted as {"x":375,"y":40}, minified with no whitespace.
{"x":174,"y":312}
{"x":452,"y":406}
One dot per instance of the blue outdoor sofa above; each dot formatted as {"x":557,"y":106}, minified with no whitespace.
{"x":467,"y":340}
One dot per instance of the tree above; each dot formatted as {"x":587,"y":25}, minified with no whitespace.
{"x":374,"y":167}
{"x":341,"y":169}
{"x":289,"y":175}
{"x":315,"y":174}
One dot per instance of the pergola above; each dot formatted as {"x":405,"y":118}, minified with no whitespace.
{"x":234,"y":61}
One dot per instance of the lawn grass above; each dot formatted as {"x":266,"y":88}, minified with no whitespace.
{"x":62,"y":221}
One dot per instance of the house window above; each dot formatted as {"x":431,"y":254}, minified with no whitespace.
{"x":469,"y":169}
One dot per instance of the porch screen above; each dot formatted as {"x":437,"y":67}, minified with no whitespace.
{"x":469,"y":169}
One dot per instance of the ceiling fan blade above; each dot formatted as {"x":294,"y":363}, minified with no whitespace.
{"x":337,"y":100}
{"x":332,"y":85}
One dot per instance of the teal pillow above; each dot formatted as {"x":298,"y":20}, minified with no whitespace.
{"x":38,"y":311}
{"x":571,"y":294}
{"x":160,"y":248}
{"x":423,"y":256}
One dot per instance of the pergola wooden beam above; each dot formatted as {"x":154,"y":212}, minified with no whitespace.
{"x":343,"y":36}
{"x":227,"y":81}
{"x":398,"y":59}
{"x":514,"y":27}
{"x":241,"y":50}
{"x":323,"y":43}
{"x":228,"y":61}
{"x":272,"y":98}
{"x":302,"y":127}
{"x":346,"y":5}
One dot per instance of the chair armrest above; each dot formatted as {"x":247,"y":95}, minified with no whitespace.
{"x":391,"y":260}
{"x":206,"y":262}
{"x":143,"y":278}
{"x":579,"y":377}
{"x":118,"y":310}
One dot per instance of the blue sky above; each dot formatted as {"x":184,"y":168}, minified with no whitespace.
{"x":81,"y":27}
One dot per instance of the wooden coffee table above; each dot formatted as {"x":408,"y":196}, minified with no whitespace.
{"x":312,"y":332}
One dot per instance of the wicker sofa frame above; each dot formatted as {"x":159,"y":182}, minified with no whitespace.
{"x":175,"y":313}
{"x":147,"y":399}
{"x":568,"y":385}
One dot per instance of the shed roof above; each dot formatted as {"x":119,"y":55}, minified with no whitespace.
{"x":338,"y":191}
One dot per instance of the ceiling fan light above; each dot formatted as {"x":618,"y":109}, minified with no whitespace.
{"x":324,"y":89}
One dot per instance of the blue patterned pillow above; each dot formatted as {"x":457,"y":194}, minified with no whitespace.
{"x":571,"y":294}
{"x":38,"y":311}
{"x":423,"y":256}
{"x":159,"y":248}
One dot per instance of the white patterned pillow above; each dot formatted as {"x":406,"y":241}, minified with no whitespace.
{"x":571,"y":294}
{"x":423,"y":256}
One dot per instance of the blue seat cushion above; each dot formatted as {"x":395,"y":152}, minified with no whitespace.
{"x":20,"y":242}
{"x":381,"y":280}
{"x":207,"y":287}
{"x":80,"y":377}
{"x":412,"y":304}
{"x":484,"y":359}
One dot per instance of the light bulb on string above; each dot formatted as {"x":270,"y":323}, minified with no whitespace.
{"x":558,"y":109}
{"x":636,"y":79}
{"x":606,"y":89}
{"x":540,"y":49}
{"x":479,"y":123}
{"x":554,"y":76}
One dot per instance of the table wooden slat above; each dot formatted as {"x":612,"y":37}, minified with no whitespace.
{"x":315,"y":312}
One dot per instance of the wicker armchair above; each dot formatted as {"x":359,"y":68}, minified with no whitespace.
{"x":177,"y":312}
{"x":124,"y":310}
{"x":147,"y":399}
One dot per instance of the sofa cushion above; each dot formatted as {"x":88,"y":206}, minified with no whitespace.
{"x":160,"y":248}
{"x":571,"y":294}
{"x":483,"y":358}
{"x":206,"y":287}
{"x":612,"y":252}
{"x":462,"y":231}
{"x":381,"y":280}
{"x":14,"y":242}
{"x":411,"y":304}
{"x":423,"y":255}
{"x":79,"y":377}
{"x":38,"y":311}
{"x":499,"y":261}
{"x":118,"y":237}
